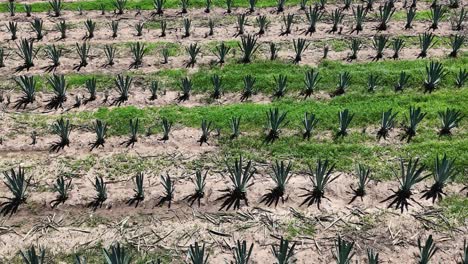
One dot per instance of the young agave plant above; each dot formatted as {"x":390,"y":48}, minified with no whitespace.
{"x":197,"y":254}
{"x":300,"y":45}
{"x":313,"y":16}
{"x":281,"y":86}
{"x":355,"y":46}
{"x":336,"y":17}
{"x":385,"y":14}
{"x":56,"y":7}
{"x":62,"y":188}
{"x":31,"y":256}
{"x":372,"y":256}
{"x":206,"y":131}
{"x":320,"y":177}
{"x":186,"y":87}
{"x":248,"y":46}
{"x":241,"y":254}
{"x":449,"y":120}
{"x":229,"y":6}
{"x":372,"y":82}
{"x":461,"y":78}
{"x":252,"y":4}
{"x":235,"y":127}
{"x":17,"y":184}
{"x":109,"y":50}
{"x":184,"y":5}
{"x":263,"y":23}
{"x":11,"y":8}
{"x":28,"y":10}
{"x":456,"y":42}
{"x":426,"y":251}
{"x":58,"y":84}
{"x":280,"y":6}
{"x":434,"y":74}
{"x":410,"y":14}
{"x":193,"y":50}
{"x":415,"y":117}
{"x":363,"y":174}
{"x":114,"y":26}
{"x":274,"y":49}
{"x":139,"y":29}
{"x":343,"y":84}
{"x":159,"y":6}
{"x":386,"y":124}
{"x":249,"y":82}
{"x":217,"y":86}
{"x":359,"y":17}
{"x":122,"y":85}
{"x":240,"y":177}
{"x":379,"y":43}
{"x":187,"y":25}
{"x":101,"y":193}
{"x":27,"y":53}
{"x":154,"y":88}
{"x":221,"y":52}
{"x":287,"y":22}
{"x":83,"y":52}
{"x":169,"y":189}
{"x":138,"y":51}
{"x":311,"y":81}
{"x":409,"y":176}
{"x":345,"y":119}
{"x":54,"y":54}
{"x":133,"y":133}
{"x":62,"y":129}
{"x":457,"y":23}
{"x":200,"y":182}
{"x":100,"y":128}
{"x":90,"y":27}
{"x":437,"y":13}
{"x":397,"y":46}
{"x":62,"y":27}
{"x":464,"y":257}
{"x":166,"y":127}
{"x":281,"y":175}
{"x":28,"y":87}
{"x":37,"y":25}
{"x":12,"y":27}
{"x":91,"y":88}
{"x":139,"y":190}
{"x":309,"y":122}
{"x":163,"y":25}
{"x":343,"y":251}
{"x":426,"y":41}
{"x":284,"y":254}
{"x":402,"y":81}
{"x":116,"y":254}
{"x":119,"y":6}
{"x":444,"y":171}
{"x":211,"y":25}
{"x":241,"y":21}
{"x":275,"y":121}
{"x":303,"y":5}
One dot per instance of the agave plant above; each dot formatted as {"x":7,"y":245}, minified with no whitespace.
{"x":159,"y":6}
{"x":90,"y":27}
{"x":410,"y":14}
{"x":241,"y":253}
{"x":345,"y":119}
{"x":235,"y":127}
{"x":17,"y":184}
{"x":56,"y":6}
{"x":372,"y":82}
{"x":12,"y":27}
{"x":184,"y":5}
{"x":187,"y":25}
{"x":386,"y":124}
{"x":27,"y":53}
{"x":281,"y":175}
{"x":166,"y":127}
{"x":122,"y":85}
{"x":437,"y":13}
{"x":397,"y":46}
{"x":313,"y":16}
{"x":139,"y":190}
{"x":101,"y":193}
{"x":457,"y":23}
{"x":240,"y":177}
{"x":249,"y":82}
{"x":169,"y":189}
{"x":284,"y":254}
{"x":62,"y":27}
{"x":83,"y":52}
{"x":28,"y":87}
{"x":31,"y":256}
{"x":287,"y":22}
{"x":379,"y":43}
{"x":426,"y":251}
{"x":217,"y":86}
{"x":62,"y":129}
{"x":91,"y":88}
{"x":154,"y":88}
{"x":197,"y":254}
{"x":211,"y":25}
{"x":303,"y":5}
{"x":54,"y":54}
{"x":456,"y":43}
{"x":163,"y":25}
{"x":369,"y":5}
{"x":449,"y":119}
{"x":355,"y":46}
{"x":372,"y":256}
{"x":221,"y":52}
{"x":281,"y":86}
{"x":402,"y":81}
{"x":444,"y":172}
{"x":28,"y":10}
{"x":274,"y":49}
{"x":200,"y":182}
{"x":275,"y":121}
{"x":109,"y":51}
{"x":461,"y":78}
{"x":206,"y":131}
{"x":415,"y":117}
{"x":359,"y":17}
{"x":185,"y":86}
{"x":134,"y":124}
{"x":62,"y":188}
{"x":229,"y":6}
{"x":119,"y":6}
{"x":320,"y":177}
{"x":248,"y":46}
{"x":58,"y":84}
{"x":385,"y":14}
{"x":426,"y":41}
{"x":410,"y":174}
{"x":309,"y":122}
{"x":336,"y":17}
{"x":252,"y":4}
{"x":114,"y":26}
{"x":434,"y":74}
{"x":100,"y":128}
{"x":343,"y":84}
{"x":263,"y":23}
{"x":343,"y":251}
{"x":300,"y":45}
{"x":139,"y":29}
{"x":193,"y":50}
{"x":363,"y":175}
{"x":311,"y":81}
{"x":241,"y":21}
{"x":464,"y":256}
{"x":117,"y":254}
{"x":37,"y":25}
{"x":138,"y":50}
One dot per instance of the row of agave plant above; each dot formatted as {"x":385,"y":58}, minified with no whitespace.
{"x":283,"y":253}
{"x":248,"y":46}
{"x":435,"y":73}
{"x":241,"y":173}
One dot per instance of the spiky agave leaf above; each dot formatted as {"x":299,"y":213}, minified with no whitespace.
{"x":241,"y":21}
{"x":336,"y":17}
{"x":187,"y":25}
{"x":397,"y":46}
{"x":206,"y":131}
{"x":464,"y":255}
{"x":345,"y":119}
{"x":457,"y":23}
{"x":31,"y":256}
{"x":100,"y":128}
{"x":139,"y":190}
{"x":363,"y":174}
{"x":235,"y":127}
{"x":311,"y":81}
{"x":355,"y":46}
{"x":386,"y":124}
{"x":449,"y":119}
{"x":186,"y":87}
{"x":275,"y":121}
{"x":372,"y":82}
{"x":274,"y":49}
{"x":309,"y":122}
{"x":17,"y":184}
{"x":28,"y":87}
{"x":248,"y":46}
{"x":12,"y":27}
{"x":117,"y":254}
{"x":122,"y":85}
{"x":426,"y":251}
{"x":154,"y":88}
{"x":91,"y":88}
{"x":37,"y":25}
{"x":409,"y":176}
{"x":80,"y":260}
{"x":109,"y":51}
{"x":28,"y":10}
{"x":252,"y":4}
{"x":166,"y":127}
{"x":184,"y":5}
{"x":281,"y":175}
{"x":139,"y":29}
{"x":343,"y":251}
{"x":62,"y":27}
{"x":169,"y":189}
{"x":437,"y":13}
{"x":114,"y":26}
{"x":197,"y":254}
{"x":62,"y":187}
{"x":444,"y":172}
{"x":320,"y":177}
{"x":240,"y":177}
{"x":200,"y":182}
{"x":62,"y":129}
{"x":90,"y":28}
{"x":101,"y":193}
{"x":54,"y":54}
{"x":284,"y":254}
{"x":262,"y":23}
{"x":134,"y":124}
{"x":415,"y":117}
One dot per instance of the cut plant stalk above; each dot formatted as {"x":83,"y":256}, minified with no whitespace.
{"x":444,"y":173}
{"x":139,"y":190}
{"x":206,"y":131}
{"x":138,"y":51}
{"x":134,"y":124}
{"x":28,"y":87}
{"x":169,"y":189}
{"x":402,"y":81}
{"x":320,"y":177}
{"x":345,"y":119}
{"x":386,"y":124}
{"x":363,"y":174}
{"x":313,"y":16}
{"x":248,"y":46}
{"x":415,"y":117}
{"x":240,"y":177}
{"x":59,"y":86}
{"x":410,"y":174}
{"x":122,"y":85}
{"x":221,"y":51}
{"x":186,"y":87}
{"x":200,"y":182}
{"x":281,"y":175}
{"x":249,"y":82}
{"x":275,"y":122}
{"x":100,"y":129}
{"x":193,"y":50}
{"x":284,"y":254}
{"x":62,"y":188}
{"x":309,"y":122}
{"x":311,"y":81}
{"x":300,"y":45}
{"x":17,"y":183}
